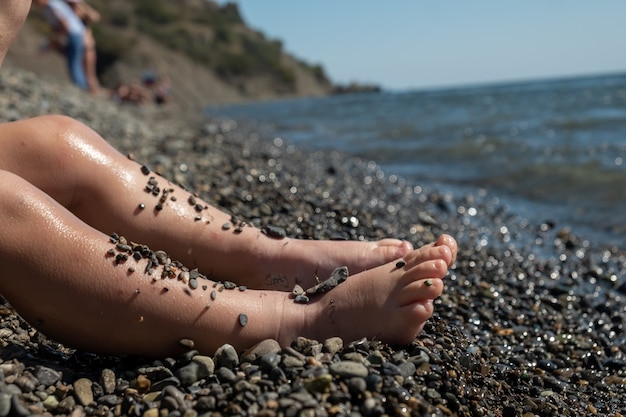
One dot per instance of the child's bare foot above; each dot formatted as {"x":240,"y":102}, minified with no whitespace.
{"x":390,"y":303}
{"x":285,"y":263}
{"x":305,"y":262}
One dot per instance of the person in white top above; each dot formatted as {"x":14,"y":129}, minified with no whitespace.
{"x":89,"y":16}
{"x":67,"y":24}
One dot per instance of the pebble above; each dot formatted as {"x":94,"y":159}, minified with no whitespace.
{"x":83,"y":392}
{"x":260,"y":349}
{"x":301,"y":299}
{"x":274,"y":232}
{"x":297,"y":290}
{"x":107,"y":380}
{"x":206,"y":366}
{"x":5,"y":404}
{"x":338,"y":276}
{"x":186,"y":343}
{"x":333,"y":345}
{"x":347,"y":369}
{"x":226,"y":356}
{"x":47,"y":376}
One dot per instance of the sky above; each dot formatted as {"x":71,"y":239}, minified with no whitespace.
{"x":424,"y":44}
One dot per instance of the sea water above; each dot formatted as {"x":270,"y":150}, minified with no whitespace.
{"x":552,"y":150}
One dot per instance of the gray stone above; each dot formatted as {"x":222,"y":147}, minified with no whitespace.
{"x":225,"y":375}
{"x":292,"y":362}
{"x":206,"y":366}
{"x":348,"y":369}
{"x":173,"y":392}
{"x":333,"y":345}
{"x":226,"y":356}
{"x":407,"y":369}
{"x":18,"y":409}
{"x":47,"y":376}
{"x":188,"y":374}
{"x":5,"y":404}
{"x":269,"y":360}
{"x":160,"y":385}
{"x":261,"y":348}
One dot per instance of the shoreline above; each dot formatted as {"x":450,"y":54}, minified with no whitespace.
{"x":531,"y":321}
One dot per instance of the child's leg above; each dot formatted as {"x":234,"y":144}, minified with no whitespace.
{"x":58,"y":274}
{"x":75,"y":166}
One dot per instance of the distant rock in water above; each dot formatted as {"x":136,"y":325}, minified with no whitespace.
{"x":356,"y":88}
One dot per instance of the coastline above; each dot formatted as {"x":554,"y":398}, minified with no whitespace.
{"x":531,"y":321}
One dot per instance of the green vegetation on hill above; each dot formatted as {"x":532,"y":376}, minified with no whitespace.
{"x":211,"y":35}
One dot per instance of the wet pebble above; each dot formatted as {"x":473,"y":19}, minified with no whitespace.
{"x":226,"y":356}
{"x":348,"y":369}
{"x":274,"y":232}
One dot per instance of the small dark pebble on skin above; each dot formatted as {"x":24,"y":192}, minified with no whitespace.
{"x":301,"y":299}
{"x":400,"y":264}
{"x":243,"y":320}
{"x":123,"y":248}
{"x":274,"y":232}
{"x":145,"y":170}
{"x":338,"y":276}
{"x":226,"y":226}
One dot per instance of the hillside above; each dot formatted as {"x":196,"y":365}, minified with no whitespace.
{"x":211,"y":55}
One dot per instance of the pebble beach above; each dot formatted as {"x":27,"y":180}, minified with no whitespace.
{"x":531,"y":323}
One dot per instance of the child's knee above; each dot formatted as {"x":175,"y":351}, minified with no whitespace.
{"x":56,"y":142}
{"x":57,"y":129}
{"x":12,"y":196}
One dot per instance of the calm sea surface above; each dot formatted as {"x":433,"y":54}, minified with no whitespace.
{"x":552,"y":150}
